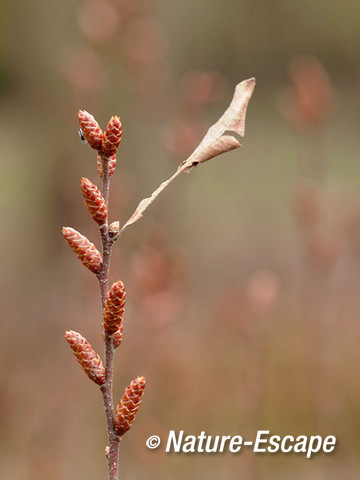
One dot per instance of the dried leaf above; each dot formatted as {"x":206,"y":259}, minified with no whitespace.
{"x":220,"y":145}
{"x":233,"y":120}
{"x":213,"y":144}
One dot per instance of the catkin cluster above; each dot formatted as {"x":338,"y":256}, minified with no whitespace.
{"x":106,"y":144}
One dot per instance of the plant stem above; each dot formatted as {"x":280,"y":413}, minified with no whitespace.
{"x":106,"y":388}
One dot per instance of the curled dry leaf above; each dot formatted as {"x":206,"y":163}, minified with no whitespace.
{"x":213,"y":144}
{"x":220,"y":145}
{"x":233,"y":120}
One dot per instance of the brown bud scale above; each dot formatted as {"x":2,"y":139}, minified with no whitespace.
{"x":84,"y":249}
{"x":112,"y":136}
{"x":88,"y":359}
{"x":94,"y":201}
{"x":114,"y":229}
{"x":114,"y":308}
{"x":129,"y":405}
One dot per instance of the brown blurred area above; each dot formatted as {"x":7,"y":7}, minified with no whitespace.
{"x":243,"y":279}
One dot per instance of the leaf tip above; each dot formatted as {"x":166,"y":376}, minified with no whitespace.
{"x":249,"y":83}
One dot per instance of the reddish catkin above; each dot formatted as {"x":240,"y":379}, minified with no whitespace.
{"x":88,"y":359}
{"x":117,"y":337}
{"x":84,"y":249}
{"x":114,"y":308}
{"x":129,"y":405}
{"x":90,"y":129}
{"x":112,"y":136}
{"x":94,"y":201}
{"x":111,"y":165}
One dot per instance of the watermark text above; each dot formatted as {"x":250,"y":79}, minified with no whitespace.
{"x":264,"y":443}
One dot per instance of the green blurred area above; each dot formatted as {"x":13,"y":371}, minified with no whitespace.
{"x":241,"y":316}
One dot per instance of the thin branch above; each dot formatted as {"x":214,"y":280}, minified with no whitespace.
{"x":213,"y":144}
{"x":106,"y":388}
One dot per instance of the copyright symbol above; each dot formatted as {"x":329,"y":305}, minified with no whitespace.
{"x":153,"y":442}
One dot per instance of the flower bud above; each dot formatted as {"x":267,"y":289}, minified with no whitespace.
{"x":114,"y":308}
{"x":90,"y":129}
{"x":129,"y":405}
{"x":94,"y":201}
{"x":112,"y":136}
{"x":117,"y":337}
{"x":114,"y":229}
{"x":88,"y":359}
{"x":84,"y":249}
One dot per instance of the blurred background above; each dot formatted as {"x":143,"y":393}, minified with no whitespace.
{"x":243,"y":278}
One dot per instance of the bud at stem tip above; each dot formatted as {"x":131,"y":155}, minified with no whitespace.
{"x":112,"y":136}
{"x":90,"y":129}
